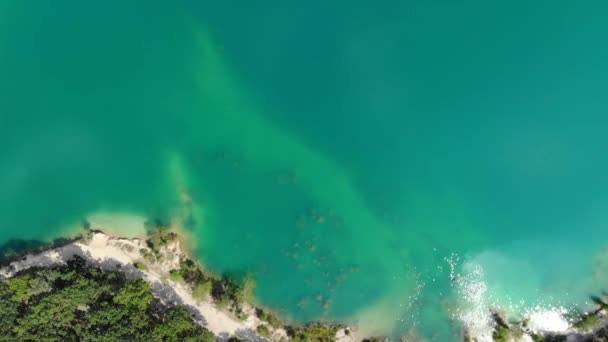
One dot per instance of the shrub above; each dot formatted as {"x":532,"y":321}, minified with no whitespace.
{"x":224,"y":291}
{"x":175,"y":276}
{"x":201,"y":290}
{"x":240,"y":314}
{"x":501,"y":334}
{"x":140,"y":266}
{"x":268,"y":317}
{"x":146,"y":254}
{"x":314,"y":333}
{"x":263,"y":331}
{"x":158,"y":238}
{"x":191,"y":272}
{"x":245,"y":291}
{"x":538,"y":338}
{"x":588,"y":322}
{"x":222,"y":302}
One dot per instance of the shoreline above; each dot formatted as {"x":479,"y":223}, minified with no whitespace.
{"x":162,"y":260}
{"x":132,"y":256}
{"x":36,"y":247}
{"x":107,"y":251}
{"x":589,"y":326}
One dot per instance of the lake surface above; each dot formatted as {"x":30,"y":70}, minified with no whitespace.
{"x":347,"y":154}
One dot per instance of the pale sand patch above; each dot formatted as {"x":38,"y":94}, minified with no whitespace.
{"x":121,"y":224}
{"x":377,"y":319}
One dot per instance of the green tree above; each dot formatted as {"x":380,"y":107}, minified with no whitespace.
{"x":9,"y":310}
{"x":18,"y":286}
{"x":136,"y":295}
{"x":78,"y":302}
{"x":177,"y":326}
{"x":50,"y":319}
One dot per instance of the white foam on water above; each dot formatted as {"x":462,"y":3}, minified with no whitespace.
{"x":476,"y":304}
{"x":472,"y":310}
{"x":552,"y":319}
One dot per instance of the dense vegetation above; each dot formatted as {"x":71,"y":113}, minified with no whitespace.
{"x":315,"y":332}
{"x":78,"y":302}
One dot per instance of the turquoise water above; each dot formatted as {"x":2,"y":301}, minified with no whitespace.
{"x":337,"y":151}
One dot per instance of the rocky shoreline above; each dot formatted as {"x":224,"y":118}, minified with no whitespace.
{"x":584,"y":327}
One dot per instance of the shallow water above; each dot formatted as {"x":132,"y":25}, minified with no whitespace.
{"x":340,"y":152}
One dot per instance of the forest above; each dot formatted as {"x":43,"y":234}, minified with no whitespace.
{"x":80,"y":302}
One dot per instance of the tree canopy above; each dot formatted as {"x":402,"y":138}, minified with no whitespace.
{"x":78,"y":302}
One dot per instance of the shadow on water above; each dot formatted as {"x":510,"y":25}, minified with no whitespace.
{"x":14,"y":249}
